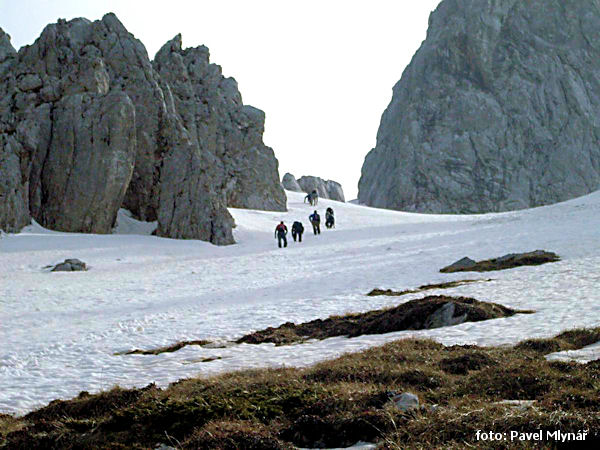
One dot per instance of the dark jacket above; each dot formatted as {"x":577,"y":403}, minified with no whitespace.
{"x":297,"y":228}
{"x":314,"y":217}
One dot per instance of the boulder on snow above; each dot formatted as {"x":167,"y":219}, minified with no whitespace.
{"x":507,"y":261}
{"x":460,"y":265}
{"x":444,"y":317}
{"x":70,"y":265}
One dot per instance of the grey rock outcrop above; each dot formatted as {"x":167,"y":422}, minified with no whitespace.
{"x":289,"y":182}
{"x":14,"y":203}
{"x":498,"y":110}
{"x":70,"y":265}
{"x":444,"y":317}
{"x":227,"y":132}
{"x":508,"y":261}
{"x":326,"y":188}
{"x":89,"y":163}
{"x":460,"y":265}
{"x":88,"y":125}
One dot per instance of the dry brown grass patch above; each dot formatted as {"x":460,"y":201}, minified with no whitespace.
{"x":335,"y":403}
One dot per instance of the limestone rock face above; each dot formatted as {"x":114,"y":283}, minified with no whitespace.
{"x":335,"y":191}
{"x":498,"y":110}
{"x":227,"y":132}
{"x":289,"y":182}
{"x":88,"y":125}
{"x":89,"y":162}
{"x":14,"y":203}
{"x":326,"y":188}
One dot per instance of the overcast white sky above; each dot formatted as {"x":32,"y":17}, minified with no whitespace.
{"x":322,"y":71}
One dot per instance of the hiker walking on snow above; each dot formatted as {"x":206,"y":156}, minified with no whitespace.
{"x":315,"y":221}
{"x":280,"y":232}
{"x":329,"y":218}
{"x":312,"y":198}
{"x":297,"y":230}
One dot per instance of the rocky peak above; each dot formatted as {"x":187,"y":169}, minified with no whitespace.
{"x":88,"y":125}
{"x":497,"y":110}
{"x":238,"y":162}
{"x":6,"y":48}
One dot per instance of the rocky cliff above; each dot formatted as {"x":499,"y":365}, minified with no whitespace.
{"x":498,"y":110}
{"x":89,"y":124}
{"x":14,"y":204}
{"x":289,"y":182}
{"x":326,"y":188}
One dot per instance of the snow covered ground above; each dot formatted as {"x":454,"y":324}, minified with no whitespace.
{"x":59,"y":332}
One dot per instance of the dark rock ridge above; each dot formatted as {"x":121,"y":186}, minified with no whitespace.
{"x":498,"y":110}
{"x":326,"y":188}
{"x":508,"y":261}
{"x":434,"y":311}
{"x":88,"y":124}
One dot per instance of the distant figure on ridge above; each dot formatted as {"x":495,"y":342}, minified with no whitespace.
{"x":329,"y":218}
{"x":315,"y":221}
{"x":280,"y":232}
{"x":297,"y":230}
{"x":313,"y":198}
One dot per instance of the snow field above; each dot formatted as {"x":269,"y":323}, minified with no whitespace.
{"x":59,"y":332}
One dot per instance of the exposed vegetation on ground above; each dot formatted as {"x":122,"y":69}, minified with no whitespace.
{"x":339,"y":402}
{"x":509,"y":261}
{"x":412,"y":315}
{"x":166,"y":349}
{"x":425,"y":287}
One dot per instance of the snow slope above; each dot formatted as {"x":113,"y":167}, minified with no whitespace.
{"x":59,"y":331}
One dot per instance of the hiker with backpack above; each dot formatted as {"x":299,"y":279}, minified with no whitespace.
{"x":313,"y":198}
{"x":280,"y":233}
{"x":315,"y":221}
{"x":297,"y":230}
{"x":329,"y":218}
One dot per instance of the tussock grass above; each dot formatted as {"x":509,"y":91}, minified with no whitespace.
{"x":568,"y":340}
{"x":338,"y":402}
